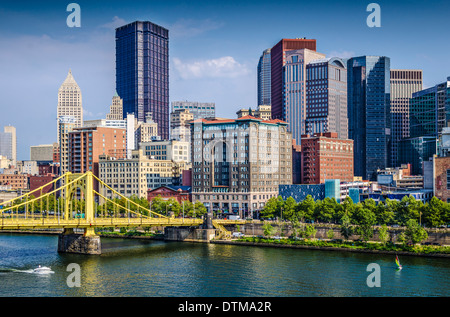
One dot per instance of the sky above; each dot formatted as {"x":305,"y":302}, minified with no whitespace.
{"x":214,"y":49}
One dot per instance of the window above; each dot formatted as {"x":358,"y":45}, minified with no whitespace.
{"x":448,"y":179}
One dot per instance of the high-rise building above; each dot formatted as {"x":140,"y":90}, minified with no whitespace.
{"x":116,"y":109}
{"x":277,"y":61}
{"x":404,"y":83}
{"x":145,"y":131}
{"x":368,"y":82}
{"x":325,"y":157}
{"x":142,"y":72}
{"x":66,"y":124}
{"x":42,"y":153}
{"x":8,"y":144}
{"x":294,"y":89}
{"x":88,"y":143}
{"x":428,"y":116}
{"x":198,"y":109}
{"x":137,"y":174}
{"x":180,"y":129}
{"x":172,"y":150}
{"x":237,"y":164}
{"x":326,"y":97}
{"x":70,"y":101}
{"x":264,"y":78}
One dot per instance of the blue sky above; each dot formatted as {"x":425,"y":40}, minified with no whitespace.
{"x":214,"y":49}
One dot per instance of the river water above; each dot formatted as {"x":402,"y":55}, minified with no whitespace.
{"x":136,"y":268}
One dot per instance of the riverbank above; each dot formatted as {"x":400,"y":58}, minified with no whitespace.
{"x":350,"y":246}
{"x":375,"y":248}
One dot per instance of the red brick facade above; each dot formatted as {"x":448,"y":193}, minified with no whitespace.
{"x":442,"y":173}
{"x":324,"y":156}
{"x":166,"y":193}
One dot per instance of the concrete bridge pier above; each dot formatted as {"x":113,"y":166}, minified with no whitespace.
{"x":87,"y":243}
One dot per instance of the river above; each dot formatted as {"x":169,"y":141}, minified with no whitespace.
{"x":136,"y":268}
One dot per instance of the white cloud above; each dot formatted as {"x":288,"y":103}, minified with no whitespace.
{"x":117,"y":22}
{"x":342,"y":54}
{"x":223,"y":67}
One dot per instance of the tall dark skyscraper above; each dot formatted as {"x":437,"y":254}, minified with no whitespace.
{"x":369,"y":119}
{"x":264,"y":79}
{"x":142,"y":72}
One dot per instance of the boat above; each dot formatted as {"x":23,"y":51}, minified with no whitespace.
{"x":43,"y":270}
{"x":397,"y":261}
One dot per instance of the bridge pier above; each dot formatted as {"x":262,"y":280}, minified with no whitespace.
{"x":87,"y":243}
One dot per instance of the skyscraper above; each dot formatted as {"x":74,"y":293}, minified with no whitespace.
{"x":294,"y":90}
{"x":404,"y":83}
{"x":198,"y":109}
{"x":277,"y":61}
{"x":326,"y":97}
{"x":70,"y":101}
{"x":8,"y":144}
{"x":368,"y":82}
{"x":264,"y":78}
{"x":142,"y":72}
{"x":116,"y":109}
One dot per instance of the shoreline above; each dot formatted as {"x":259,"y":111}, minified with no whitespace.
{"x":245,"y":243}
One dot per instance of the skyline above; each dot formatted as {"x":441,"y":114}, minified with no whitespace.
{"x":214,"y":49}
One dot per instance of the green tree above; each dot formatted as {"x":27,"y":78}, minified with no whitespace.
{"x":270,"y":208}
{"x":325,"y":209}
{"x":330,"y":234}
{"x":434,"y":212}
{"x":267,"y":229}
{"x":415,"y":233}
{"x":384,"y":212}
{"x":383,"y":234}
{"x":408,"y":208}
{"x":199,"y":209}
{"x":365,"y":219}
{"x":305,"y":209}
{"x":346,"y":227}
{"x":310,"y":231}
{"x":289,"y":207}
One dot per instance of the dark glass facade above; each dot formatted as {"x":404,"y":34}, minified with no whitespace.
{"x":142,"y":72}
{"x":264,"y":78}
{"x":368,"y":79}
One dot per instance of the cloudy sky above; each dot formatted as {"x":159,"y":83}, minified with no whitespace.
{"x":214,"y":49}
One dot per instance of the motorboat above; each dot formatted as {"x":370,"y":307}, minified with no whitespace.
{"x":43,"y":270}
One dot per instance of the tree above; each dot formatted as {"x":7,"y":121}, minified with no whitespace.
{"x":408,"y":208}
{"x":267,"y":229}
{"x":365,"y":219}
{"x":325,"y":209}
{"x":415,"y":233}
{"x":330,"y":234}
{"x":310,"y":231}
{"x":199,"y":209}
{"x":305,"y":209}
{"x":384,"y":212}
{"x":434,"y":212}
{"x":270,"y":208}
{"x":346,"y":227}
{"x":383,"y":234}
{"x":289,"y":208}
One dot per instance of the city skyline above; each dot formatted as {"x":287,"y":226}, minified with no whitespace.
{"x":214,"y":49}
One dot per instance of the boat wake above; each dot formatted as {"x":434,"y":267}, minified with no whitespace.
{"x":39,"y":270}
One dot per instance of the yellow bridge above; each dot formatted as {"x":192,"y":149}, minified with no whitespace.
{"x":85,"y":202}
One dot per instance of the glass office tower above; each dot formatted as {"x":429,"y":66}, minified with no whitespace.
{"x":368,"y":82}
{"x":142,"y":72}
{"x":264,"y":78}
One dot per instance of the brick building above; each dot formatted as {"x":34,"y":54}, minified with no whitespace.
{"x":179,"y":193}
{"x":324,"y":156}
{"x":442,"y":178}
{"x":39,"y":181}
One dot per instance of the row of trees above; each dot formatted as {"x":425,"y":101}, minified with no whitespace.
{"x":435,"y":213}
